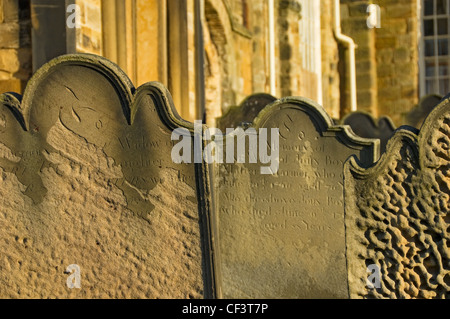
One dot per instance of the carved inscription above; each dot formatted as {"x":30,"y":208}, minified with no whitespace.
{"x":282,"y":236}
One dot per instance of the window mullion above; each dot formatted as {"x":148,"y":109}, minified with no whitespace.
{"x":436,"y":46}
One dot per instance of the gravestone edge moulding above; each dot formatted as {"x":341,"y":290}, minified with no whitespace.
{"x":130,"y":99}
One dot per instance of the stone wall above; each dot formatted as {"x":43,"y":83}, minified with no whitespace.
{"x":89,"y":35}
{"x":15,"y":45}
{"x":397,"y":58}
{"x":236,"y":37}
{"x":354,"y":24}
{"x":289,"y":13}
{"x":330,"y":60}
{"x":151,"y":48}
{"x":235,"y":60}
{"x":237,"y":45}
{"x":386,"y":57}
{"x":237,"y":56}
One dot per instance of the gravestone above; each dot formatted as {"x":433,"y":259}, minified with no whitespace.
{"x":282,"y":235}
{"x":397,"y":215}
{"x":246,"y":112}
{"x":416,"y":116}
{"x":365,"y":125}
{"x":87,"y":179}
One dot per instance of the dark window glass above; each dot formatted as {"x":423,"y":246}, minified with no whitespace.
{"x":436,"y":46}
{"x":443,"y":67}
{"x":431,"y":86}
{"x":428,"y":27}
{"x":441,"y":6}
{"x":444,"y":87}
{"x":430,"y":68}
{"x":429,"y":7}
{"x":443,"y":47}
{"x":429,"y":48}
{"x":442,"y":26}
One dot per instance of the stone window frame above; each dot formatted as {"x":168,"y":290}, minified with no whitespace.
{"x":433,"y":78}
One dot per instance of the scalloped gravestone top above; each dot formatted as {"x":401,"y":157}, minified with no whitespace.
{"x":91,"y":182}
{"x":416,"y":116}
{"x":246,"y":112}
{"x":397,"y":216}
{"x":283,"y":235}
{"x":365,"y":125}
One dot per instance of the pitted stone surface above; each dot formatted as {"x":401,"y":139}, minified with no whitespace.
{"x":397,"y":215}
{"x":91,"y":182}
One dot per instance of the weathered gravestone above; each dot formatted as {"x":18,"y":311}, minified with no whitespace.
{"x":246,"y":112}
{"x":397,"y":216}
{"x":365,"y":125}
{"x":283,"y":235}
{"x":416,"y":116}
{"x":91,"y":182}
